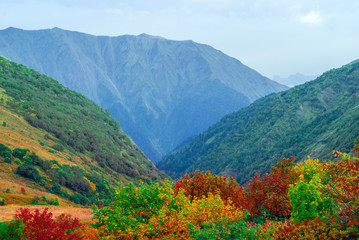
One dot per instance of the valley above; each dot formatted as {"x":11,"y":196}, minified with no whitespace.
{"x":161,"y":91}
{"x":274,"y":165}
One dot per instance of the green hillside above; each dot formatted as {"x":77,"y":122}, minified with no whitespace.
{"x":310,"y":119}
{"x":59,"y":141}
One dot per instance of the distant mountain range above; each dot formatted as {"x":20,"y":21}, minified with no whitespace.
{"x":309,"y":119}
{"x":161,"y":91}
{"x":294,"y":79}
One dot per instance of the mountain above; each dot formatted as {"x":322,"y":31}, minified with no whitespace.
{"x":309,"y":119}
{"x":161,"y":91}
{"x":55,"y":140}
{"x":294,"y":79}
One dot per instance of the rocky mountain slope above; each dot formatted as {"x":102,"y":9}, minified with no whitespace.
{"x":161,"y":91}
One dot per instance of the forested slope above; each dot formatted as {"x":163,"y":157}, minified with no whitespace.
{"x":310,"y":119}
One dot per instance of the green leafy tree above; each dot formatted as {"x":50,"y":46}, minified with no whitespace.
{"x":306,"y":196}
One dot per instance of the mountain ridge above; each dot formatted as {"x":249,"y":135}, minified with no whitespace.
{"x":145,"y":82}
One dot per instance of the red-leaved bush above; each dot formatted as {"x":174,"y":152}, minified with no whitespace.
{"x":42,"y":226}
{"x":270,"y":193}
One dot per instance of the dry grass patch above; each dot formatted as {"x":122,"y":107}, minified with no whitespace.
{"x":83,"y":214}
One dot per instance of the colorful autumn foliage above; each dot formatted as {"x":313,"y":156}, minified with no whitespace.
{"x":201,"y":185}
{"x":308,"y":200}
{"x":269,"y":195}
{"x":342,"y":187}
{"x":154,"y":211}
{"x":41,"y":225}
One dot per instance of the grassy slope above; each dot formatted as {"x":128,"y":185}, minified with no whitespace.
{"x":19,"y":133}
{"x":89,"y":138}
{"x":310,"y":119}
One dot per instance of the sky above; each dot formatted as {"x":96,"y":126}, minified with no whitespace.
{"x":274,"y":37}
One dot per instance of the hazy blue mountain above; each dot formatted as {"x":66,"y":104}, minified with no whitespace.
{"x":161,"y":91}
{"x":310,"y":119}
{"x":294,"y":79}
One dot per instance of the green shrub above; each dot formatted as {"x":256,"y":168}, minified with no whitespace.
{"x":58,"y":147}
{"x":5,"y":152}
{"x":20,"y":153}
{"x":8,"y":160}
{"x":56,"y":188}
{"x":224,"y":230}
{"x":51,"y":151}
{"x":28,"y":171}
{"x":54,"y":202}
{"x":12,"y":230}
{"x":35,"y":200}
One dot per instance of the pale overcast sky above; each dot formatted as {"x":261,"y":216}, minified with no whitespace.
{"x":274,"y":37}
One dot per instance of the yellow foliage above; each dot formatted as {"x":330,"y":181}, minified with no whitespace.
{"x":92,"y":185}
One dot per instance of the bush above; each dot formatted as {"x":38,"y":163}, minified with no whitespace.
{"x":5,"y":152}
{"x":56,"y":188}
{"x":224,"y":230}
{"x":20,"y":153}
{"x":312,"y":229}
{"x":28,"y":171}
{"x":58,"y":147}
{"x":41,"y":225}
{"x":12,"y":230}
{"x":8,"y":160}
{"x":35,"y":200}
{"x":54,"y":202}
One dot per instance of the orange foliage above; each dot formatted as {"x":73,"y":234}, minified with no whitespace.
{"x":201,"y":185}
{"x":342,"y":186}
{"x":312,"y":229}
{"x":270,"y":193}
{"x":171,"y":224}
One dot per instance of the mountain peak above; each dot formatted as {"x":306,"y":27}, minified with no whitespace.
{"x":162,"y":92}
{"x":145,"y":35}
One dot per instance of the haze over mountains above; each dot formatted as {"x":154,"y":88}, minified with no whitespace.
{"x":294,"y":79}
{"x":311,"y":119}
{"x":161,"y":91}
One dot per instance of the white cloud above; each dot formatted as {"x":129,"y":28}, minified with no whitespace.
{"x":313,"y":18}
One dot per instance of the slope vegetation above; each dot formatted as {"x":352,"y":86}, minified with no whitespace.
{"x":55,"y":140}
{"x":310,"y":119}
